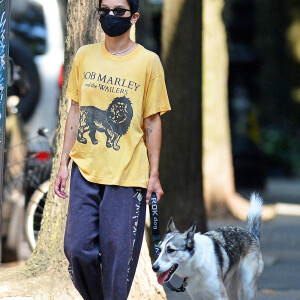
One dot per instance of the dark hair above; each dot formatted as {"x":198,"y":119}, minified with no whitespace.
{"x":134,"y":5}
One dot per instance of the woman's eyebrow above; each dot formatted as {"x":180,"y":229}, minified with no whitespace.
{"x":117,"y":6}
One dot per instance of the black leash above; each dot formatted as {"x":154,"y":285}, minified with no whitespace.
{"x":156,"y":239}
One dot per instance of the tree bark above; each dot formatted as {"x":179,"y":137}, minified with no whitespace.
{"x":219,"y":187}
{"x":217,"y":158}
{"x":45,"y":275}
{"x":181,"y":161}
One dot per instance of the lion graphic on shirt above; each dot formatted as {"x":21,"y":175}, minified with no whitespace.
{"x":114,"y":122}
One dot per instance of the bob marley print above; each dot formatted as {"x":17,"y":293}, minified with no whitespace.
{"x":114,"y":122}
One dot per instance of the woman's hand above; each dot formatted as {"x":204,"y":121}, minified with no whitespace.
{"x":71,"y":130}
{"x":60,"y":181}
{"x":154,"y":186}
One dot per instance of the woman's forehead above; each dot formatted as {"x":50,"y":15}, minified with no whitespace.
{"x":115,"y":3}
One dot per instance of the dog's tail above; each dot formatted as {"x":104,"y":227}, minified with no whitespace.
{"x":254,"y":215}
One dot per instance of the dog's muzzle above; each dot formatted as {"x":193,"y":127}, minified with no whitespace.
{"x":165,"y":276}
{"x":155,"y":267}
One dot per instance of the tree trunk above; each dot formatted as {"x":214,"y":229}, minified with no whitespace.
{"x":45,"y":275}
{"x":181,"y":161}
{"x":217,"y":158}
{"x":219,"y":186}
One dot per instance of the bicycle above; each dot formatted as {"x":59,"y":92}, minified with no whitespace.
{"x":27,"y":164}
{"x":34,"y":213}
{"x":40,"y":173}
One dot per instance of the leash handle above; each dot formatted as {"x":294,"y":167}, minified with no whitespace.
{"x":156,"y":239}
{"x":154,"y":223}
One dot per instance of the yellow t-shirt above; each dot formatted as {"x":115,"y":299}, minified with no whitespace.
{"x":115,"y":94}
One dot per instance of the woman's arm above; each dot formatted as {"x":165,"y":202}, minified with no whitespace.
{"x":69,"y":140}
{"x":153,"y":130}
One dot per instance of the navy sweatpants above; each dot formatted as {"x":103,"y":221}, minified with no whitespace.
{"x":103,"y":237}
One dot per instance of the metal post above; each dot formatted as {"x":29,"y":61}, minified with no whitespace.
{"x":4,"y":55}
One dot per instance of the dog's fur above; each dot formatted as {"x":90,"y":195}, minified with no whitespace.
{"x":220,"y":264}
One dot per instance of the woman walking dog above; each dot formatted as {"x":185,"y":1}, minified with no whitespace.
{"x":117,"y":91}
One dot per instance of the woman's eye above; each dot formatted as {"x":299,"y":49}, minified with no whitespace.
{"x":119,"y":12}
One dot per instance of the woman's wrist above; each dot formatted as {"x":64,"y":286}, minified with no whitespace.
{"x":154,"y":174}
{"x":64,"y":161}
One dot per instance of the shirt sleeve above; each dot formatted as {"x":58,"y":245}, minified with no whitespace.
{"x":73,"y":83}
{"x":156,"y":99}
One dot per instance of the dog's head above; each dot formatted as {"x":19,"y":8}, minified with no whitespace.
{"x":175,"y":250}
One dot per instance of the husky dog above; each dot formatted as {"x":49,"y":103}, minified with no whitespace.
{"x":220,"y":264}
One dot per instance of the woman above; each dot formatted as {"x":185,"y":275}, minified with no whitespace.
{"x":118,"y":93}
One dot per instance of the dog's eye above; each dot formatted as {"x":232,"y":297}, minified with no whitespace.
{"x":170,"y":250}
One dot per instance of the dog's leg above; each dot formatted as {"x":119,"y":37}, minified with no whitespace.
{"x":211,"y":295}
{"x":233,"y":286}
{"x":251,"y":268}
{"x":223,"y":292}
{"x":248,"y":287}
{"x":210,"y":290}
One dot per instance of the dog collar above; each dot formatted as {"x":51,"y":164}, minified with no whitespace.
{"x":181,"y":289}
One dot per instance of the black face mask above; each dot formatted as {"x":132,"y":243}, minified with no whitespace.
{"x":115,"y":26}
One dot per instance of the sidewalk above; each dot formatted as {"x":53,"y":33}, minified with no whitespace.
{"x":281,"y":254}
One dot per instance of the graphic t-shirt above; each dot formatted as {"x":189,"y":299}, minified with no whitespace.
{"x":115,"y":94}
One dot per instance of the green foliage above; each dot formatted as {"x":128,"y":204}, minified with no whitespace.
{"x":282,"y":149}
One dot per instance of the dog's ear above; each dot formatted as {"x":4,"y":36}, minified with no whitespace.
{"x":171,"y":226}
{"x":190,"y":236}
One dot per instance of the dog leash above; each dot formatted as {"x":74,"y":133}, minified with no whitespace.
{"x":156,"y":239}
